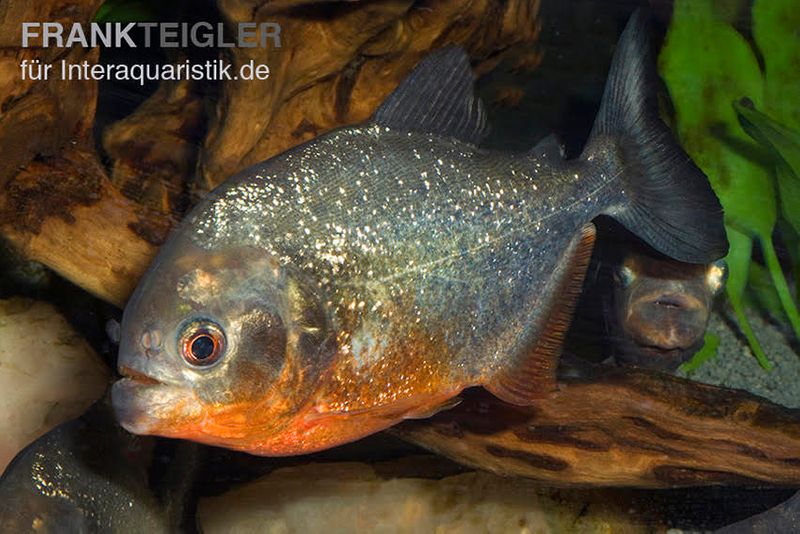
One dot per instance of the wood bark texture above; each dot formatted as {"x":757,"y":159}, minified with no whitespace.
{"x":64,"y":212}
{"x":626,"y":428}
{"x":41,"y":117}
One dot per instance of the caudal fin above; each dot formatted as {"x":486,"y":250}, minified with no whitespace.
{"x":668,"y":200}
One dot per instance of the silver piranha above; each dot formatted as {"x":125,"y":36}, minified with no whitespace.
{"x":371,"y":274}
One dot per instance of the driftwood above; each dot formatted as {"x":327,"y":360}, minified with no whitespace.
{"x":338,"y":61}
{"x":63,"y":212}
{"x":627,"y":428}
{"x":155,"y":149}
{"x":40,"y":117}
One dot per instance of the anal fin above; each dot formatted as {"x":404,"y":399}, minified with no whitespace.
{"x":533,"y":375}
{"x":430,"y":411}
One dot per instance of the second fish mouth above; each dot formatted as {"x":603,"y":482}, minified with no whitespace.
{"x":137,"y":376}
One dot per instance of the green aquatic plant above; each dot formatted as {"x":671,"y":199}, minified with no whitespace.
{"x":775,"y":24}
{"x":707,"y":64}
{"x":761,"y":293}
{"x":707,"y":352}
{"x":126,"y":11}
{"x":783,"y":145}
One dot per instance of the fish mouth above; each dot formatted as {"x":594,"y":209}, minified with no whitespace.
{"x":676,"y":300}
{"x":145,"y":405}
{"x":138,"y":376}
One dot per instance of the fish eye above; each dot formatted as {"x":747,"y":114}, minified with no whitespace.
{"x":202,"y":343}
{"x":716,"y":276}
{"x":624,"y":276}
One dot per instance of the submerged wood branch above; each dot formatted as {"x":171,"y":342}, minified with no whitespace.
{"x":627,"y":428}
{"x":64,"y":213}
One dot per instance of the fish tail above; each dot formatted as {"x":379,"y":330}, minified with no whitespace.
{"x":666,"y":199}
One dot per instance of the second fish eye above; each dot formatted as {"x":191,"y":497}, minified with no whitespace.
{"x":717,"y":276}
{"x":624,"y":276}
{"x":202,"y":343}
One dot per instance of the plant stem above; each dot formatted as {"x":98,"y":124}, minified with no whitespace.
{"x":747,"y":330}
{"x":780,"y":285}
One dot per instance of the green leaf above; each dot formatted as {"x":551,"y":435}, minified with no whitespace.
{"x":776,"y":272}
{"x":738,"y":260}
{"x":707,"y":64}
{"x":779,"y":138}
{"x":761,"y":292}
{"x":775,"y":31}
{"x":789,"y":189}
{"x":784,"y":146}
{"x":775,"y":24}
{"x":792,"y":240}
{"x":126,"y":11}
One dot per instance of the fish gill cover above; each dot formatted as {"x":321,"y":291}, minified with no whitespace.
{"x":751,"y":157}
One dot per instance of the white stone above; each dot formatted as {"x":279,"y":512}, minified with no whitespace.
{"x":48,"y":373}
{"x":350,"y":497}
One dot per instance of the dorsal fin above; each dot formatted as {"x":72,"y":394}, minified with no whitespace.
{"x":533,"y":375}
{"x":437,"y":97}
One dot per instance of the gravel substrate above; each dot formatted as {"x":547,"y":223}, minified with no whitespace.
{"x":736,"y":367}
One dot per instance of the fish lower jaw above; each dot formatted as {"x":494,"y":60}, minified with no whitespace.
{"x":125,"y":395}
{"x":657,"y":359}
{"x":135,"y":427}
{"x":148,"y":407}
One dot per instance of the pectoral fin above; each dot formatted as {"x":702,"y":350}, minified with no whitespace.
{"x":533,"y":374}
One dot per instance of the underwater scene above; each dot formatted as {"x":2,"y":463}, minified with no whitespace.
{"x":513,"y":266}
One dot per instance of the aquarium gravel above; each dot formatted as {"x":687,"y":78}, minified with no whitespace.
{"x":736,"y":367}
